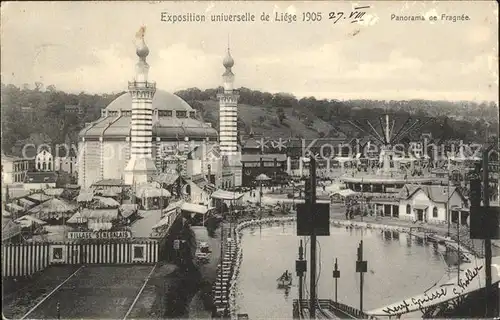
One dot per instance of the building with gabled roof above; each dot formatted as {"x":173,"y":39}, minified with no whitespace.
{"x":431,"y":204}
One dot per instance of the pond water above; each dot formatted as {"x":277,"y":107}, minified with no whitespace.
{"x":398,"y":267}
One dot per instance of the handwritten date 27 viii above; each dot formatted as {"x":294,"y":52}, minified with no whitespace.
{"x":354,"y":16}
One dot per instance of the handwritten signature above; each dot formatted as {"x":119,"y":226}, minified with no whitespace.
{"x":353,"y":16}
{"x":404,"y":306}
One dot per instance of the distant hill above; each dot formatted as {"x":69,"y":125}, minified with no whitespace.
{"x":42,"y":114}
{"x":282,"y":115}
{"x":264,"y":121}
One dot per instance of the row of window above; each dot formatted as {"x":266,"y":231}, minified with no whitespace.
{"x":44,"y":166}
{"x":19,"y":177}
{"x":161,"y":113}
{"x":434,"y":211}
{"x":23,"y":166}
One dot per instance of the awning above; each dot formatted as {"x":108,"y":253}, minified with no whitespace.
{"x":457,"y":208}
{"x":226,"y":195}
{"x":173,"y":206}
{"x":420,"y":206}
{"x":165,"y":221}
{"x":193,"y":207}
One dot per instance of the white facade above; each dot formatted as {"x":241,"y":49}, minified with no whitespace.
{"x":44,"y":161}
{"x":197,"y":194}
{"x":13,"y":170}
{"x":419,"y":207}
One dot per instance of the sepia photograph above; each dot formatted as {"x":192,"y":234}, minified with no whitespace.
{"x":250,"y":160}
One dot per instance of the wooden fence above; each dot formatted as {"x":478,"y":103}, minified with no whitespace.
{"x":26,"y":259}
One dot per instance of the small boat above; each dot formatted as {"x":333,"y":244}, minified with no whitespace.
{"x":285,"y":280}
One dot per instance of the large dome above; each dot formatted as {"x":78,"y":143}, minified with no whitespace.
{"x":162,"y":100}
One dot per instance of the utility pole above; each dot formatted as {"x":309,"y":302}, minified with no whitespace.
{"x":336,"y":276}
{"x":361,"y":267}
{"x":487,"y":241}
{"x":301,"y":268}
{"x":312,"y":206}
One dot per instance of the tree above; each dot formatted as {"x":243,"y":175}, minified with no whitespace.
{"x":281,"y":114}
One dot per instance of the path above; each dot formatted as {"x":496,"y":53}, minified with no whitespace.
{"x":89,"y":292}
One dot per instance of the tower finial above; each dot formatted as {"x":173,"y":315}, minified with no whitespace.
{"x":142,"y":49}
{"x":228,"y":61}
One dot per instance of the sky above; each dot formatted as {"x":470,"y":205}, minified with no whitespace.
{"x":89,"y":46}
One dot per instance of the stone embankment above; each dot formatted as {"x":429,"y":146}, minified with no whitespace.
{"x":420,"y":232}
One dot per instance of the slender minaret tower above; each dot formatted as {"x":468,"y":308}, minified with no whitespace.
{"x":228,"y":123}
{"x":141,"y":166}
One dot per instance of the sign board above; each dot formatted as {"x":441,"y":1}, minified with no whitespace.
{"x":321,"y":219}
{"x":485,"y":223}
{"x":80,"y":235}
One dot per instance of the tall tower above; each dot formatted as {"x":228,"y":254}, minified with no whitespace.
{"x":141,"y":166}
{"x":228,"y":123}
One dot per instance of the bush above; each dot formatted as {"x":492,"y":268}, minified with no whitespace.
{"x":289,"y":195}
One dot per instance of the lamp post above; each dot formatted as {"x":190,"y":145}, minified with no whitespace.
{"x":301,"y":268}
{"x":336,"y":276}
{"x":361,"y":267}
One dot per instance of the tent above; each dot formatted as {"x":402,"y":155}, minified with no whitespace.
{"x":14,"y":207}
{"x":149,"y":191}
{"x":103,"y":202}
{"x":342,"y":195}
{"x":128,"y":209}
{"x":85,"y":196}
{"x":55,"y":192}
{"x":54,"y":209}
{"x":39,"y":197}
{"x":28,"y":221}
{"x":10,"y":229}
{"x":27,"y":203}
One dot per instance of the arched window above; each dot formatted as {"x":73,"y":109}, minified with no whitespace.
{"x":408,"y":209}
{"x":38,"y":166}
{"x":435,"y":212}
{"x":44,"y":166}
{"x":49,"y":166}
